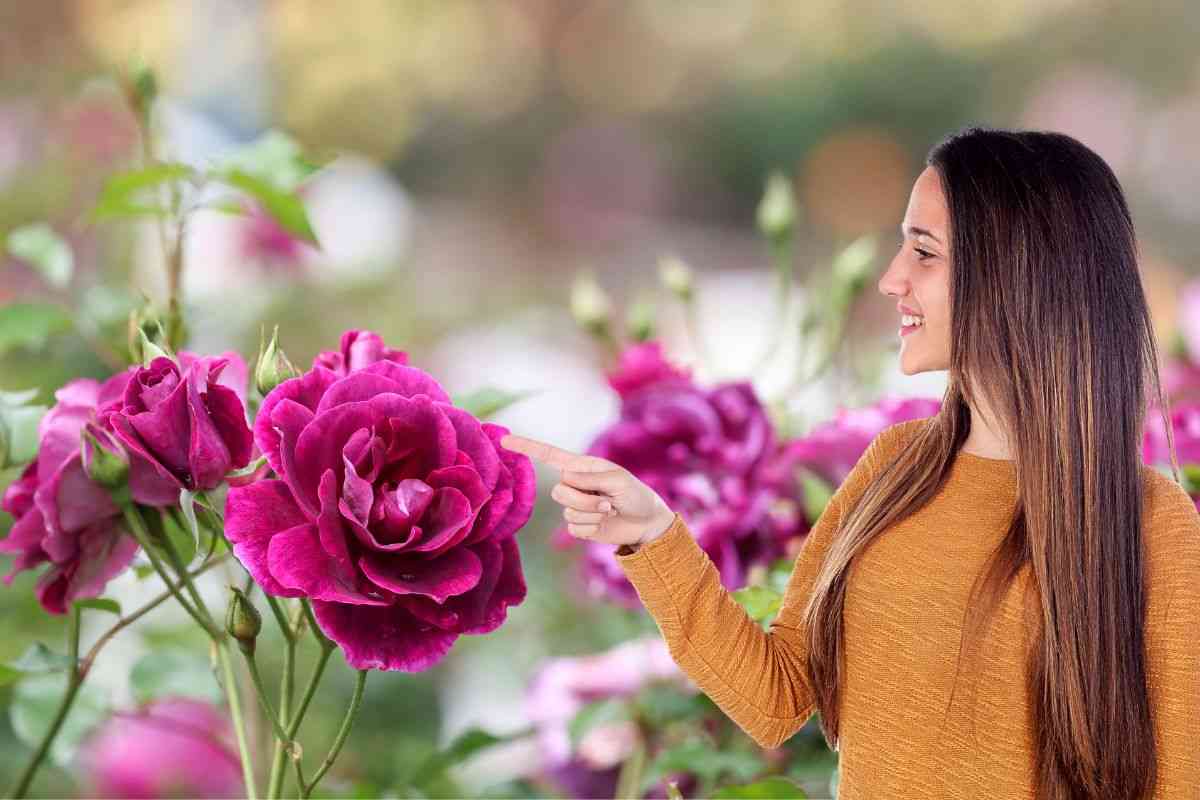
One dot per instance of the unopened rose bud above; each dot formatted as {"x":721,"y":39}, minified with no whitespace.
{"x":273,"y":366}
{"x":590,"y":305}
{"x":676,"y":275}
{"x":853,"y":266}
{"x":140,"y":87}
{"x":242,"y":621}
{"x":103,"y":458}
{"x":640,"y":321}
{"x":777,"y":210}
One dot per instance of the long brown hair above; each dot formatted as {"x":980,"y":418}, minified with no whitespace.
{"x":1049,"y":327}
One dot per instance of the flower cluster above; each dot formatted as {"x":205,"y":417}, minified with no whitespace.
{"x":393,"y":510}
{"x":713,"y":455}
{"x":176,"y":425}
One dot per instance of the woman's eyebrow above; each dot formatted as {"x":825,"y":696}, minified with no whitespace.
{"x":913,"y":230}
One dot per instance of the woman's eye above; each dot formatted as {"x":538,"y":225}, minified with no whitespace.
{"x":924,"y":253}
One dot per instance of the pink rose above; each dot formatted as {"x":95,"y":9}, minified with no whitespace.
{"x":394,"y":511}
{"x":185,"y":425}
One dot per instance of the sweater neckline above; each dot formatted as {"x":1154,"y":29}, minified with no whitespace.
{"x":998,"y":470}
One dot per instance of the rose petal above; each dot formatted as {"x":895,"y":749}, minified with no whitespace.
{"x":305,"y":390}
{"x":253,"y":514}
{"x":453,"y":573}
{"x":383,"y":637}
{"x":297,"y":561}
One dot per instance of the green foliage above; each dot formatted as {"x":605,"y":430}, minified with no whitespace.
{"x":173,"y":671}
{"x":100,"y":604}
{"x":760,"y":602}
{"x":123,"y":194}
{"x":42,"y":248}
{"x":19,"y":422}
{"x":486,"y":402}
{"x":703,"y":760}
{"x":284,"y":208}
{"x":775,"y":787}
{"x":30,"y":325}
{"x":35,"y":701}
{"x":596,"y":713}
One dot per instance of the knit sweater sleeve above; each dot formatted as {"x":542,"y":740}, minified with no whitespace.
{"x":758,"y":678}
{"x":1173,"y":648}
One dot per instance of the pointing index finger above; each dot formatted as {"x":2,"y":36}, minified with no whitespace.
{"x":539,"y":451}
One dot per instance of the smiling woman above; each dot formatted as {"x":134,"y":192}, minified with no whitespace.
{"x":1015,"y":539}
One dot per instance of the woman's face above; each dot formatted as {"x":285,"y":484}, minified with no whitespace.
{"x":919,"y":277}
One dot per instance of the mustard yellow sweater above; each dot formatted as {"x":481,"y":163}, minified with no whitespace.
{"x":903,"y":622}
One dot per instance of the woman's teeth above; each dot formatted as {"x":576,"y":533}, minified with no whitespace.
{"x":907,"y":320}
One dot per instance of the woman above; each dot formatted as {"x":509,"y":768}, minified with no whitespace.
{"x":1015,"y":541}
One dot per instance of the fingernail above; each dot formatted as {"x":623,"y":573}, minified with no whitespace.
{"x":605,"y":506}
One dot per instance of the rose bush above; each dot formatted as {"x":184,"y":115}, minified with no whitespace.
{"x":393,"y":510}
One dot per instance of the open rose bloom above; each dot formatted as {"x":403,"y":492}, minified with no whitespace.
{"x":393,"y":510}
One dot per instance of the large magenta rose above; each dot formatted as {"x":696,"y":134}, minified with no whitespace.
{"x":394,"y":511}
{"x":62,"y":517}
{"x":185,"y":425}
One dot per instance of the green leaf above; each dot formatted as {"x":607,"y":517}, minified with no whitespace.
{"x":100,"y":604}
{"x":467,"y":744}
{"x":484,"y":403}
{"x":18,"y":398}
{"x":187,"y":504}
{"x":760,"y":602}
{"x":284,"y":208}
{"x":143,"y":571}
{"x":30,"y":325}
{"x":40,"y":658}
{"x":19,"y":426}
{"x":775,"y":787}
{"x":9,"y":675}
{"x":35,"y":702}
{"x":120,"y":197}
{"x":661,"y":703}
{"x":173,"y":671}
{"x":598,"y":712}
{"x":1191,"y":477}
{"x":276,"y":158}
{"x":700,"y":759}
{"x":816,"y":495}
{"x":46,"y":251}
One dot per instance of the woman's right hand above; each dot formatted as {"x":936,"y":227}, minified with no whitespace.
{"x":602,"y":501}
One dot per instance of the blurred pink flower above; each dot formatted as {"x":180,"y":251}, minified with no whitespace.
{"x":831,"y":449}
{"x":643,"y":364}
{"x":358,"y":349}
{"x":173,"y":747}
{"x":562,"y":686}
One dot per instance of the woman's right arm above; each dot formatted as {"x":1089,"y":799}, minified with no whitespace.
{"x":758,"y":678}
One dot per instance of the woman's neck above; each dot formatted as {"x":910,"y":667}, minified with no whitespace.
{"x":985,"y":438}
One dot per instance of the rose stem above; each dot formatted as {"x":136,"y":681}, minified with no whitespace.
{"x":287,"y":682}
{"x":343,"y":732}
{"x":21,"y":787}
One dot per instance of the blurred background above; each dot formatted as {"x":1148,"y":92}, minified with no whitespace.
{"x":485,"y":156}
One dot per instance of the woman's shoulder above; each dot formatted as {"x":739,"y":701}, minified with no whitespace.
{"x":1171,"y":523}
{"x":895,"y":437}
